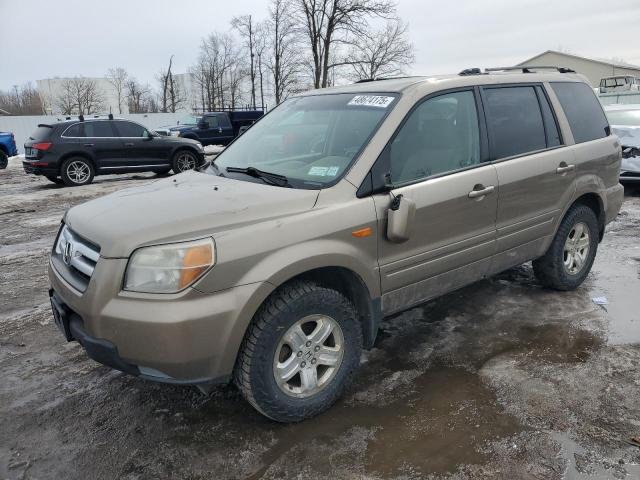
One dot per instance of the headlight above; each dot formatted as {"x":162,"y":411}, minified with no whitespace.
{"x":169,"y":268}
{"x":175,"y":133}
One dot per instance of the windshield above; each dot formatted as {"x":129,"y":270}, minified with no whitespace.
{"x":310,"y":140}
{"x":627,"y":118}
{"x":189,"y":120}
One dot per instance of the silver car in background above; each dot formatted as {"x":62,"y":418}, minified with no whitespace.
{"x":625,"y":123}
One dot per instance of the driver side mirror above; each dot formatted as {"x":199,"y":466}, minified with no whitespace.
{"x":148,"y":135}
{"x":401,"y":216}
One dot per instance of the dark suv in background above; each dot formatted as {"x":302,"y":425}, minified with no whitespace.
{"x":74,"y":151}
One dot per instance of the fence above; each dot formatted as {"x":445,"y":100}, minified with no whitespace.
{"x":23,"y":126}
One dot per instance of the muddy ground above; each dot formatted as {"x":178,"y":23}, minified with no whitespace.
{"x":502,"y":379}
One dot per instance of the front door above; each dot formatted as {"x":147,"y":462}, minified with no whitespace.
{"x":436,"y":161}
{"x":535,"y":171}
{"x":139,"y":149}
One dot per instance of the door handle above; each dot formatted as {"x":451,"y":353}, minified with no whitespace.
{"x":128,"y":144}
{"x":565,"y":168}
{"x":88,"y":144}
{"x":482,"y":191}
{"x":219,"y":129}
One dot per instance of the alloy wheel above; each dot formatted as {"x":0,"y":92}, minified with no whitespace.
{"x":308,"y":356}
{"x":78,"y":172}
{"x":186,"y":162}
{"x":576,"y":248}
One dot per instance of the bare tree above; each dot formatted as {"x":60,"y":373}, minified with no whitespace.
{"x":261,"y":54}
{"x":171,"y":94}
{"x":66,"y":100}
{"x":22,"y":100}
{"x":118,"y":78}
{"x":284,"y":41}
{"x":329,"y":23}
{"x":80,"y":96}
{"x":381,"y":53}
{"x":247,"y":30}
{"x":139,"y":97}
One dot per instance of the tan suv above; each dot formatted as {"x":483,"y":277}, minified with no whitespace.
{"x":274,"y":267}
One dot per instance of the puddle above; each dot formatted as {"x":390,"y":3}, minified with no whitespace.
{"x":619,"y":282}
{"x":446,"y":421}
{"x":581,"y":463}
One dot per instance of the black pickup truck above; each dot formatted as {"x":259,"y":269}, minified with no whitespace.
{"x":213,"y":128}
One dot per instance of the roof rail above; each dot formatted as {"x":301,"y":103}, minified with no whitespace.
{"x":365,"y":80}
{"x":471,"y":71}
{"x":530,"y":69}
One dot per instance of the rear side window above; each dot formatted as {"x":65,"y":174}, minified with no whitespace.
{"x":42,"y":133}
{"x":130,"y":129}
{"x":514,"y":120}
{"x":583,"y":111}
{"x":99,"y":129}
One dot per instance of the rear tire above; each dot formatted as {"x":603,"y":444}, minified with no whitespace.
{"x":572,"y":252}
{"x":184,"y":160}
{"x":4,"y":160}
{"x":300,"y":352}
{"x":77,"y":171}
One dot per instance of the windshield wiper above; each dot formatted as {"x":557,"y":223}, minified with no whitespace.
{"x":272,"y":178}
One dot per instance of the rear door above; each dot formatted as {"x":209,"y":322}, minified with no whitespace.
{"x":535,"y":171}
{"x":98,"y":138}
{"x":225,"y":129}
{"x":436,"y":160}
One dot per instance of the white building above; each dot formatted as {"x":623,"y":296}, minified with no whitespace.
{"x":592,"y":68}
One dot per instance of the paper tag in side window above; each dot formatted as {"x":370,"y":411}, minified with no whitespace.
{"x":379,"y":101}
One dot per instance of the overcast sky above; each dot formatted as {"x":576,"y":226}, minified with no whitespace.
{"x":48,"y":38}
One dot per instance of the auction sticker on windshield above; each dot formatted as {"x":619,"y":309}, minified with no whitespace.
{"x":380,"y":101}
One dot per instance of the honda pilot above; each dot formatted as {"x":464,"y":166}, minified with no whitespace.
{"x":337,"y":209}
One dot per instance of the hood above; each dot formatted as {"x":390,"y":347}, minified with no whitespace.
{"x":184,"y":207}
{"x":629,"y":136}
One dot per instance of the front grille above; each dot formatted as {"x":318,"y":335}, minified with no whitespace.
{"x":75,"y":258}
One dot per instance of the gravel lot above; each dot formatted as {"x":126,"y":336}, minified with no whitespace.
{"x":502,"y":379}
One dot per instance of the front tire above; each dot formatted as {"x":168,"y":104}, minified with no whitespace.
{"x":300,"y":352}
{"x":572,"y":252}
{"x":183,"y":161}
{"x":77,"y":171}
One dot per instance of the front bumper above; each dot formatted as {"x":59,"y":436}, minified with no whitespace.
{"x":184,"y":338}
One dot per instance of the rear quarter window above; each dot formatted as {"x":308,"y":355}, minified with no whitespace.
{"x":74,"y":131}
{"x":583,"y":110}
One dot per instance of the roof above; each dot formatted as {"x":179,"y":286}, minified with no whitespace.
{"x":610,"y":63}
{"x":439,"y":82}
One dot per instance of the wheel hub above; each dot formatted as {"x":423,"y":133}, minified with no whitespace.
{"x":308,"y":356}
